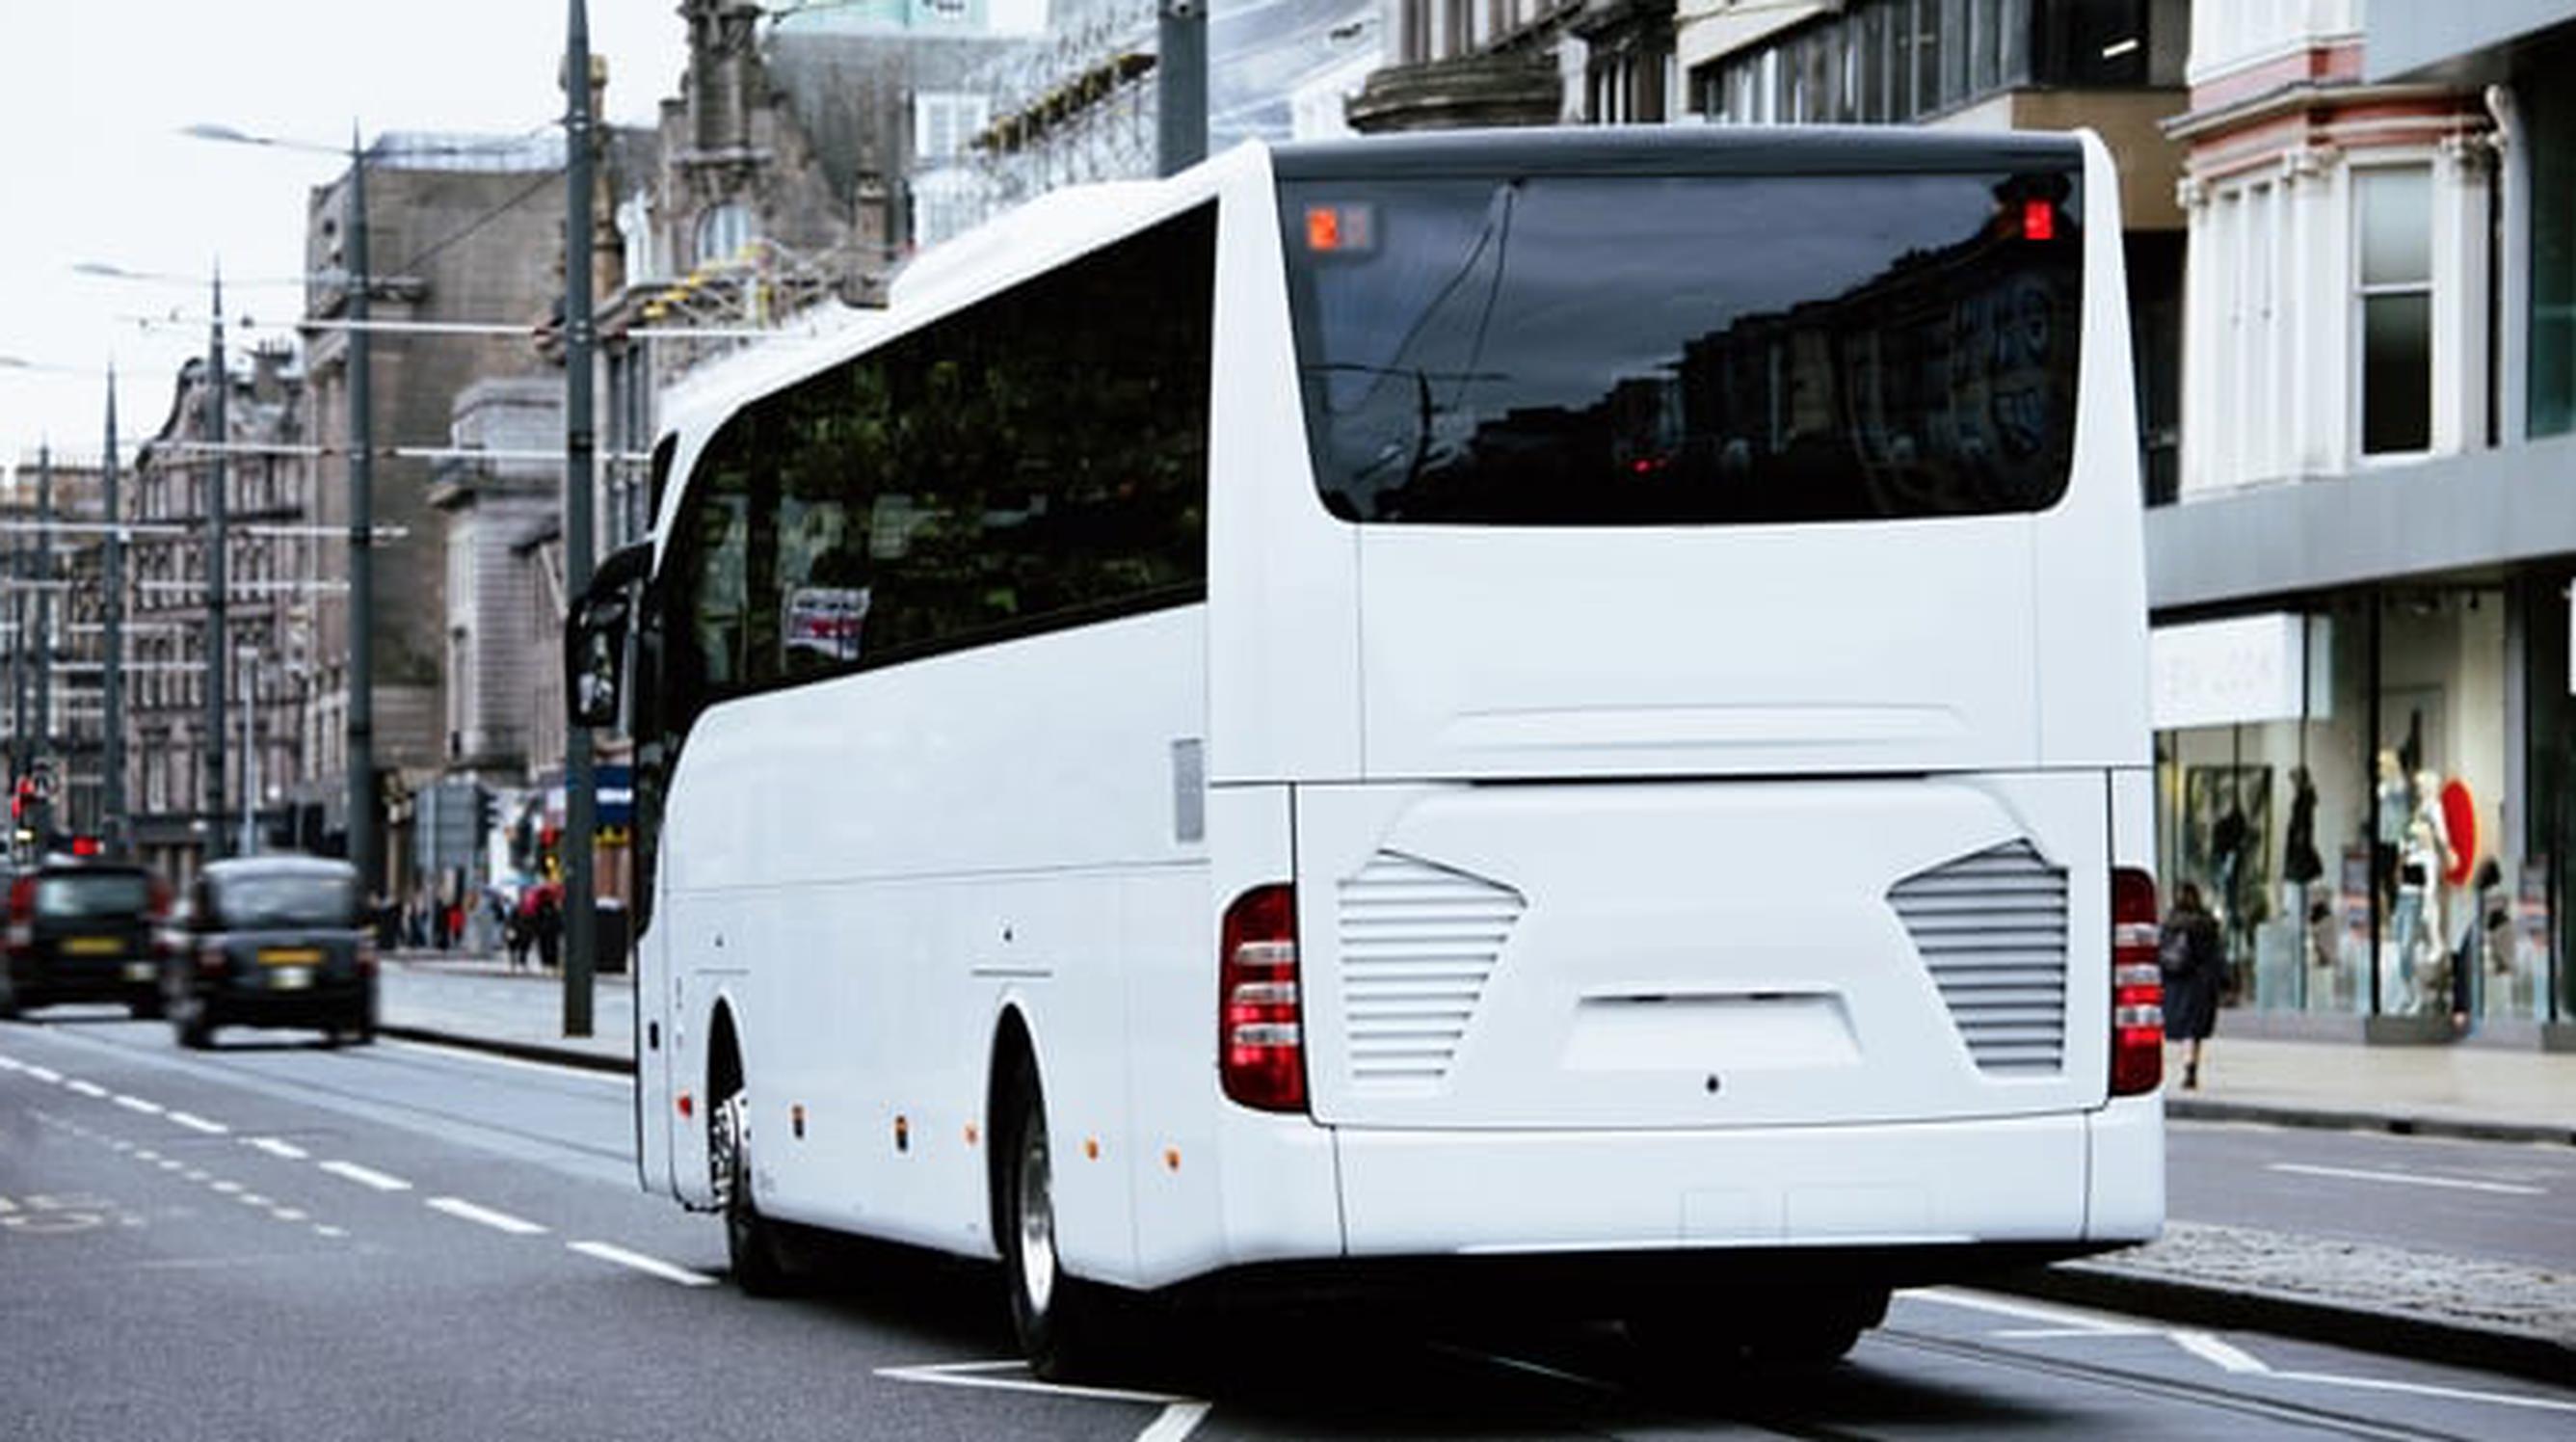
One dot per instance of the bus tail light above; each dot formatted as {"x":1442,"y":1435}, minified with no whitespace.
{"x":1261,"y":1041}
{"x":2137,"y":986}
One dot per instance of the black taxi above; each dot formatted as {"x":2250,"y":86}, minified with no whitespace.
{"x":84,"y":931}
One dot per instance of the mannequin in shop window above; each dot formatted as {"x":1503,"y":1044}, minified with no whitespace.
{"x":2395,"y":809}
{"x":2422,"y":855}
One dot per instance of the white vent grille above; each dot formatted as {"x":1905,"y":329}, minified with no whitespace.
{"x":1418,"y":942}
{"x":1992,"y":929}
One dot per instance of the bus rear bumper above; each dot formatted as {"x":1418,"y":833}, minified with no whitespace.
{"x":1930,"y":1185}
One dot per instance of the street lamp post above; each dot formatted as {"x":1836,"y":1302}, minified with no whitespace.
{"x":44,"y":644}
{"x":112,"y":818}
{"x":362,"y":560}
{"x":218,"y":636}
{"x":248,"y":656}
{"x":580,"y":801}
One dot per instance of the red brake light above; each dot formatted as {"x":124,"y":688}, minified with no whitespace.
{"x":2038,"y":220}
{"x":2137,"y":986}
{"x":1261,"y":1040}
{"x":22,"y":900}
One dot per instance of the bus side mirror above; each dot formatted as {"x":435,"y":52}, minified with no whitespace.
{"x":595,"y":638}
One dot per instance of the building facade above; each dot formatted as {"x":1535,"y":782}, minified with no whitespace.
{"x":463,"y":231}
{"x":2361,"y":609}
{"x":183,"y":810}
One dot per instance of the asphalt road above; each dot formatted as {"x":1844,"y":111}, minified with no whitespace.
{"x":279,"y":1241}
{"x":2496,"y":1201}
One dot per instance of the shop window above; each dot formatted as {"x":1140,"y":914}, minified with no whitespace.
{"x":2394,"y":230}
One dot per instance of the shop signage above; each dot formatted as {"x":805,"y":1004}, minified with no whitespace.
{"x":2221,"y":673}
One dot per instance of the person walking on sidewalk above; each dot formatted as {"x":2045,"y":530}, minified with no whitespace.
{"x":2194,"y":962}
{"x":549,"y":925}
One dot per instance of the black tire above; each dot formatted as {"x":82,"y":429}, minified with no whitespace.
{"x":1068,"y":1328}
{"x":1768,"y":1332}
{"x":196,"y":1033}
{"x":145,"y":1008}
{"x":754,"y":1245}
{"x":364,"y":1031}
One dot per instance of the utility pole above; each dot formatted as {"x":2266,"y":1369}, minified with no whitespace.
{"x":580,"y":799}
{"x":43,"y":651}
{"x":1180,"y":85}
{"x":218,"y":634}
{"x":115,"y":830}
{"x":363,"y":853}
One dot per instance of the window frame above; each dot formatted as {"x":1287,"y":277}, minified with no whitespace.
{"x":2362,"y":291}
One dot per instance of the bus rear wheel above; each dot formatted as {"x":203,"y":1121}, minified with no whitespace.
{"x":753,"y":1246}
{"x":1064,"y":1324}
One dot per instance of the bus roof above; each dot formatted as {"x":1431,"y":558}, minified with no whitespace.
{"x":1675,"y":149}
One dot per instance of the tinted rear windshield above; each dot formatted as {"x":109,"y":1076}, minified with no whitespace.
{"x":1657,"y":349}
{"x":251,"y":902}
{"x":107,"y":893}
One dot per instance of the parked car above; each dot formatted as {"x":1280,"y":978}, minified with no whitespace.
{"x":274,"y":941}
{"x":84,"y":931}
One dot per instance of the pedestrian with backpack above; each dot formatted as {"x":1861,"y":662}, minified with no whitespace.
{"x":2194,"y":962}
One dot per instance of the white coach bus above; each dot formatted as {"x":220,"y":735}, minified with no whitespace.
{"x":1555,"y":716}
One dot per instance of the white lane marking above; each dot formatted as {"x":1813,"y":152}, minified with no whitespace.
{"x":195,"y":1175}
{"x":969,"y":1374}
{"x":485,"y":1216}
{"x":277,"y":1148}
{"x":329,"y":1232}
{"x":2505,"y":1189}
{"x":44,"y":1073}
{"x":11,"y":1063}
{"x":251,"y":1199}
{"x":2221,"y":1354}
{"x":138,"y":1104}
{"x":2066,"y":1318}
{"x":2426,"y":1389}
{"x":171,"y":1164}
{"x":366,"y":1176}
{"x":227,"y":1187}
{"x":146,"y":1154}
{"x":651,"y":1266}
{"x":1179,"y":1420}
{"x":288,"y":1214}
{"x":85,"y":1088}
{"x":196,"y":1123}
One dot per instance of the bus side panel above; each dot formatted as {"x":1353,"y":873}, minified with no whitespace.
{"x":2127,"y":1197}
{"x":897,"y":853}
{"x":1283,"y":575}
{"x":2089,"y":562}
{"x":1216,"y":1184}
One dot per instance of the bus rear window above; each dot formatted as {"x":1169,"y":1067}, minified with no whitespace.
{"x":1572,"y":350}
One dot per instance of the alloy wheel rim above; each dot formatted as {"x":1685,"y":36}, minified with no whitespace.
{"x":1037,"y":1222}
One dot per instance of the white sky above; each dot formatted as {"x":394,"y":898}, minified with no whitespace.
{"x":92,"y":168}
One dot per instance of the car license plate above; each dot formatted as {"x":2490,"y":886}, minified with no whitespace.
{"x":92,"y":946}
{"x":139,"y":971}
{"x":290,"y":978}
{"x":289,"y":956}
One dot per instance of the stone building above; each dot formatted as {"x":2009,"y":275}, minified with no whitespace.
{"x":2360,"y":600}
{"x":49,"y":646}
{"x":182,"y":811}
{"x":462,"y":230}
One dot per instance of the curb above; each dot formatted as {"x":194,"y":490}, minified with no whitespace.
{"x":2424,"y":1338}
{"x":2332,"y":1119}
{"x":563,"y":1056}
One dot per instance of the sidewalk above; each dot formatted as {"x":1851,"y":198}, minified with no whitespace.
{"x":2382,"y":1299}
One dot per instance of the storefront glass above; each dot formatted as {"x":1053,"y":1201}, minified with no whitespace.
{"x":2372,"y":855}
